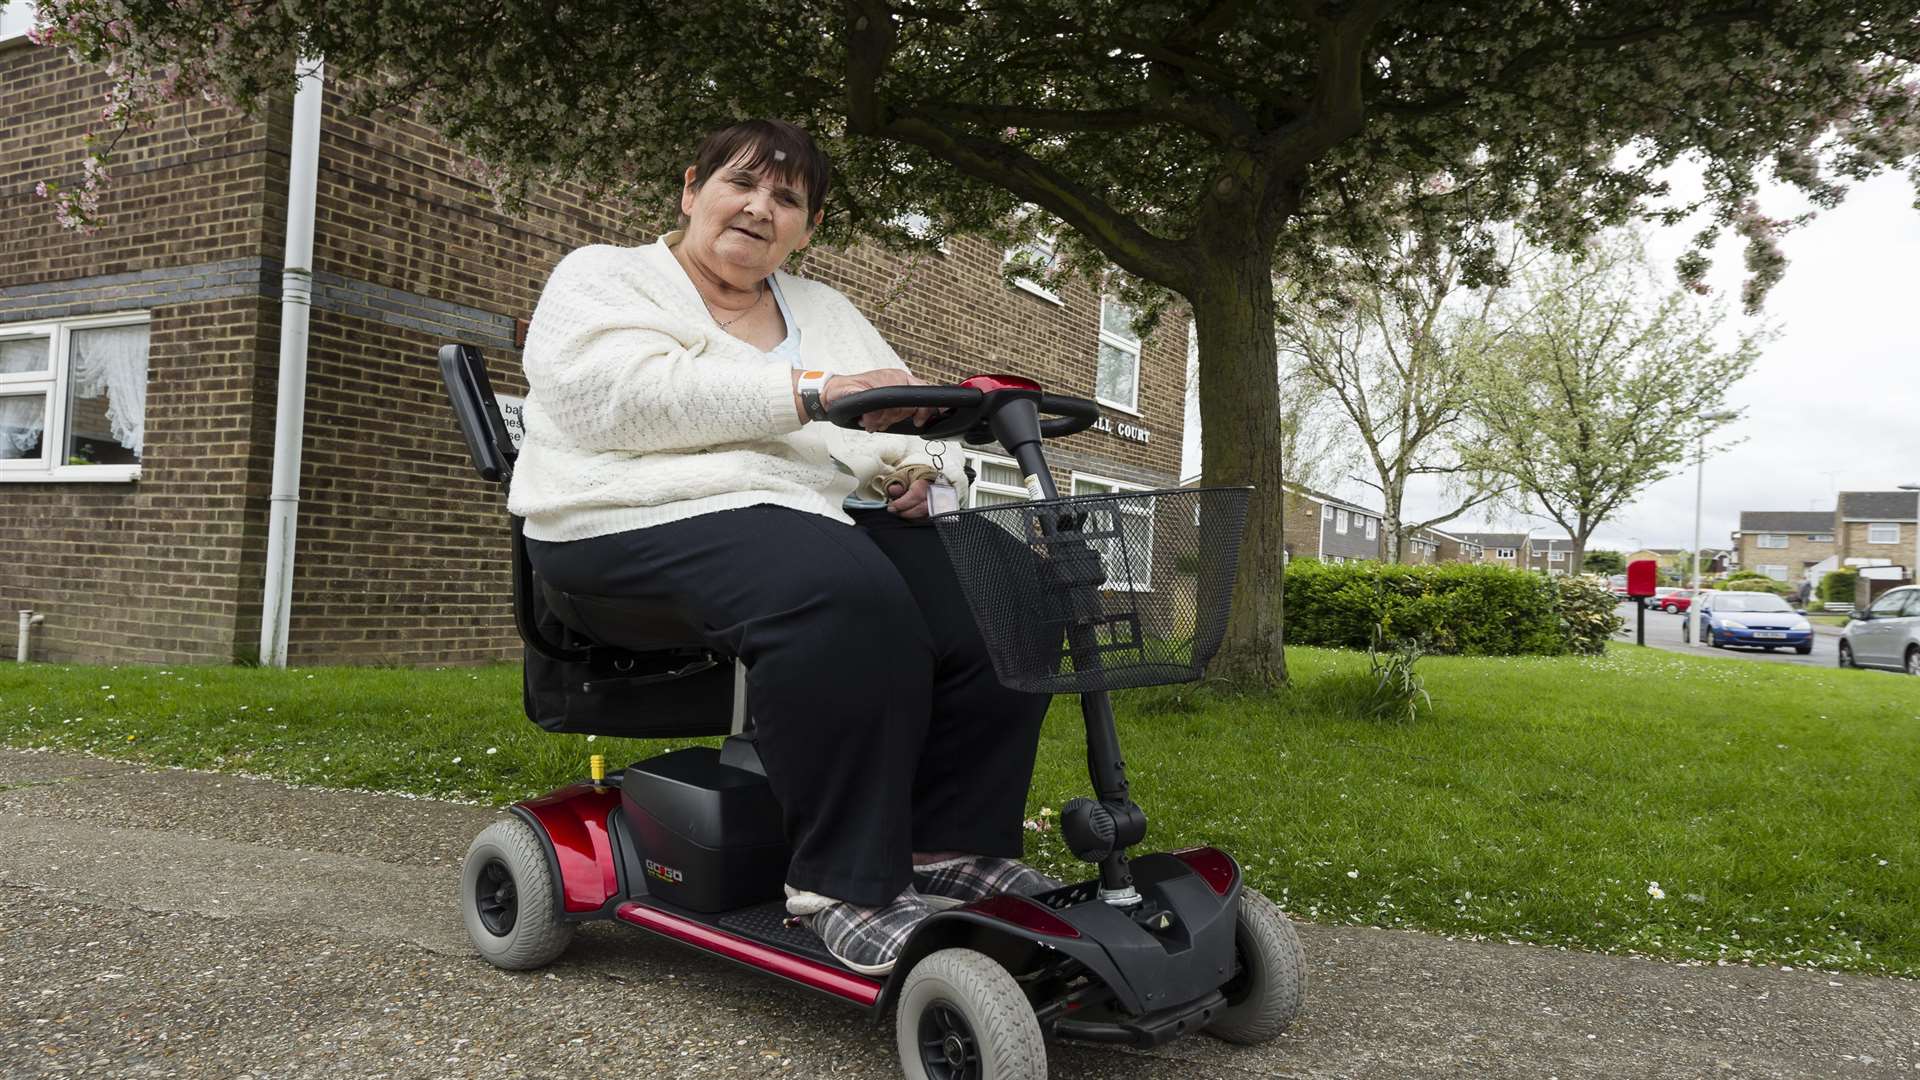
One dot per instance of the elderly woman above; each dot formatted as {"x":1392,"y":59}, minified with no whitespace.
{"x":675,"y":443}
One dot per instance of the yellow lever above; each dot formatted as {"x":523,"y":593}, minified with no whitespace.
{"x":597,"y":767}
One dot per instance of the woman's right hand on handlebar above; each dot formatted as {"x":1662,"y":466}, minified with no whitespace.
{"x":839,"y":386}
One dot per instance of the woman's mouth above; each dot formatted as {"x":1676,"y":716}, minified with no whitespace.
{"x":747,"y":232}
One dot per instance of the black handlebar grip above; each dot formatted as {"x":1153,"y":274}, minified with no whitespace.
{"x":847,"y":411}
{"x":1066,"y":415}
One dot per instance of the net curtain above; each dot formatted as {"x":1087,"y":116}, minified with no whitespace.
{"x":113,"y":359}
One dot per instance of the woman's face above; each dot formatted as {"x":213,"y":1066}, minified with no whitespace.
{"x":744,"y":224}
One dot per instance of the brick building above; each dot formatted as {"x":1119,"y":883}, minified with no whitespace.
{"x":1875,"y":525}
{"x":1511,"y":550}
{"x":1458,"y":548}
{"x":1784,"y":544}
{"x":139,"y":368}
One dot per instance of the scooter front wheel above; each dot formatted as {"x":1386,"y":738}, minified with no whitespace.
{"x":1266,"y":995}
{"x":963,"y":1017}
{"x":506,"y":898}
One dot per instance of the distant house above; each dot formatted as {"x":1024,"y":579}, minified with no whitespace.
{"x":1784,"y":544}
{"x":1552,"y":556}
{"x":1870,"y":525}
{"x":1331,"y":529}
{"x":1458,"y":547}
{"x":1511,"y":550}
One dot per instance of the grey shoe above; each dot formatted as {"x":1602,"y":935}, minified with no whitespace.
{"x":975,"y":877}
{"x":867,"y":939}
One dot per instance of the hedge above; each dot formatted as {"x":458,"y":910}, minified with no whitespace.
{"x":1840,"y":586}
{"x":1451,"y":608}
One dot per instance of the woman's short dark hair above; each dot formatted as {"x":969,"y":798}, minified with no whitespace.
{"x":773,"y":145}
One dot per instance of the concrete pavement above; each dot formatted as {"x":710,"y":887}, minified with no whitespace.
{"x":181,"y":924}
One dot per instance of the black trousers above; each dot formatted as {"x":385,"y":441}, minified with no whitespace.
{"x":879,"y":719}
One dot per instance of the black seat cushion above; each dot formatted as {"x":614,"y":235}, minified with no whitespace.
{"x":634,"y":623}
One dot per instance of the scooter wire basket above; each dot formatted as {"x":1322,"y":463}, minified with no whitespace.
{"x":1100,"y":592}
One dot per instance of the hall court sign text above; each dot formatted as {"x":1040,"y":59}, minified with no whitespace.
{"x":1124,"y":429}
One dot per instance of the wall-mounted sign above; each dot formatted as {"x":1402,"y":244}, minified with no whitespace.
{"x":511,"y":409}
{"x":1125,"y":429}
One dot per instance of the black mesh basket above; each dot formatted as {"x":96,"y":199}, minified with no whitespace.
{"x":1100,"y":592}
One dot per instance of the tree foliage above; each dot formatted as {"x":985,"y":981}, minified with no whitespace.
{"x":1196,"y":145}
{"x":1604,"y":562}
{"x":1605,"y":389}
{"x":1391,"y":344}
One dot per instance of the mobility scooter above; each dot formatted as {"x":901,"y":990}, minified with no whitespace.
{"x":1078,"y":594}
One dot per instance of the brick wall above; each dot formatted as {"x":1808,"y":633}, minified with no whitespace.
{"x":1853,"y":543}
{"x":1799,"y":554}
{"x":164,"y":569}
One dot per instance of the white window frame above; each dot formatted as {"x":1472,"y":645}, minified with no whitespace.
{"x":1776,"y":571}
{"x":1373,"y":530}
{"x":1045,"y":244}
{"x":1820,"y":538}
{"x":1129,"y":345}
{"x":1503,"y":553}
{"x":1556,"y":556}
{"x":1874,"y":534}
{"x":1770,"y":540}
{"x":1108,"y":485}
{"x":16,"y":18}
{"x":978,"y":485}
{"x":1340,"y":519}
{"x":53,"y":383}
{"x":1326,"y":513}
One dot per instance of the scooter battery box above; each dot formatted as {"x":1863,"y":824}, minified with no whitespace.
{"x":709,"y":835}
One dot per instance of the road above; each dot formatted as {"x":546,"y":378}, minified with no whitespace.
{"x":167,"y":923}
{"x":1663,"y":632}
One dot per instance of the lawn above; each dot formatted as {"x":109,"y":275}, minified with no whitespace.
{"x":1680,"y":807}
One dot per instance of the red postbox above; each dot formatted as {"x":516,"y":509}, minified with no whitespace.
{"x":1643,"y":577}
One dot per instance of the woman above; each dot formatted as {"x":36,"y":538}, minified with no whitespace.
{"x":671,"y":445}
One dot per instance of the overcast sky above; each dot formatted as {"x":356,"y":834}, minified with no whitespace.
{"x":1833,"y":403}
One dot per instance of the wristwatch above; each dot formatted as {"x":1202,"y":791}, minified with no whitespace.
{"x":811,"y":384}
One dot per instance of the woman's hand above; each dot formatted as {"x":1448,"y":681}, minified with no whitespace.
{"x":840,"y":386}
{"x":909,"y":502}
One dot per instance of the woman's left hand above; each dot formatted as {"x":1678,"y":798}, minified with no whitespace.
{"x":910,"y":502}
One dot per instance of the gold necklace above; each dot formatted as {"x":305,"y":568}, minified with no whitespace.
{"x":743,"y":314}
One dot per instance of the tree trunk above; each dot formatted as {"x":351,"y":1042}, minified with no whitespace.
{"x":1233,"y":312}
{"x":1394,"y":543}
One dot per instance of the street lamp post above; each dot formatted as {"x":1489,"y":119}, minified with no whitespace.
{"x":1699,"y":497}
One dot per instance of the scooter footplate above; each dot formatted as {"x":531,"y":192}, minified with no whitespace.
{"x":766,"y":924}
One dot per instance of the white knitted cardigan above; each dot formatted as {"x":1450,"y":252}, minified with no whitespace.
{"x":641,"y":410}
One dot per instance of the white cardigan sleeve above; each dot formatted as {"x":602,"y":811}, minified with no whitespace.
{"x":868,"y":454}
{"x":615,"y":370}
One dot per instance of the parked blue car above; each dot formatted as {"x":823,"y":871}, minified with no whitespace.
{"x":1759,"y":620}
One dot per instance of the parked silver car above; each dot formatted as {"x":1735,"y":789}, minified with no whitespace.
{"x":1886,"y":635}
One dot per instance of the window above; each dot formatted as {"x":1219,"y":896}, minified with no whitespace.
{"x":1892,"y":604}
{"x":1883,"y":532}
{"x":1773,"y":570}
{"x":1820,"y":538}
{"x":1771,"y":540}
{"x":1556,"y":556}
{"x":1326,"y":513}
{"x":16,"y":18}
{"x":1040,"y":251}
{"x":1373,"y":529}
{"x":995,"y":481}
{"x":1340,"y":522}
{"x":1503,"y":553}
{"x":1116,"y":378}
{"x":73,"y":399}
{"x":1128,"y":554}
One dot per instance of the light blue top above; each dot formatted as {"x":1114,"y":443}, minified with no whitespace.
{"x":789,"y":349}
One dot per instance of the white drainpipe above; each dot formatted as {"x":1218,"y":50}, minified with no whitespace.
{"x":27,"y":621}
{"x":296,"y":296}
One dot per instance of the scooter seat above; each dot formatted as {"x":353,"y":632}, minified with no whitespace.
{"x":633,"y":623}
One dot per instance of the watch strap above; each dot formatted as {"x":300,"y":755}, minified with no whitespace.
{"x":810,"y":386}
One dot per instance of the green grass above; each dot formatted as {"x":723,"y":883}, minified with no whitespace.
{"x":1538,"y":799}
{"x":1831,"y":620}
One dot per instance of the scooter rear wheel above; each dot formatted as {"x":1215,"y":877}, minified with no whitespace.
{"x":1265,"y":997}
{"x":506,"y":898}
{"x":962,"y":1017}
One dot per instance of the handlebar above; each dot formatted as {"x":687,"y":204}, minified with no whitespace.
{"x":966,"y":408}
